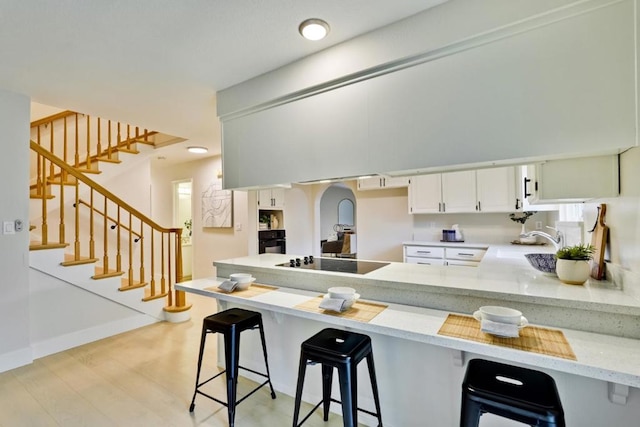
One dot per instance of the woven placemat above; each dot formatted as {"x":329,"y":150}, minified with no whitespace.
{"x":551,"y":342}
{"x":362,"y":311}
{"x":254,"y":290}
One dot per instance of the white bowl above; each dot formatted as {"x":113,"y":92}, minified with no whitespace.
{"x":342,"y":292}
{"x":243,"y":280}
{"x":500,"y":314}
{"x":241,"y":277}
{"x":347,"y":303}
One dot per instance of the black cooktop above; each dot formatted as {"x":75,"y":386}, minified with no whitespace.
{"x":340,"y":265}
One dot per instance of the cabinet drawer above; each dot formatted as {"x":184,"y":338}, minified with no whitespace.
{"x":464,"y":254}
{"x":423,"y":261}
{"x":424,"y":251}
{"x":462,"y":263}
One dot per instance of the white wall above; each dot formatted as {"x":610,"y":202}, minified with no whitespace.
{"x":14,"y":249}
{"x":209,"y":244}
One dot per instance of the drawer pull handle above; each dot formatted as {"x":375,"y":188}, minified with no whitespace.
{"x":424,"y":263}
{"x":424,"y":252}
{"x":464,"y":254}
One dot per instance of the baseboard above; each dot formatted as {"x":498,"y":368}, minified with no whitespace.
{"x":15,"y":359}
{"x":85,"y":336}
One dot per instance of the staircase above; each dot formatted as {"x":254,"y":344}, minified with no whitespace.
{"x":83,"y":234}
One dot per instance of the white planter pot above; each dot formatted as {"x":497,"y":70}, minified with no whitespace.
{"x":573,"y":272}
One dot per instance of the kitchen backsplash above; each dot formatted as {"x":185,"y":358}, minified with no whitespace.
{"x":496,"y":228}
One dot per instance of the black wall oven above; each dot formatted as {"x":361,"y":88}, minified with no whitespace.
{"x":272,"y":242}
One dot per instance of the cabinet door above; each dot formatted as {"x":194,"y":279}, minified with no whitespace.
{"x":373,"y":183}
{"x":459,"y":191}
{"x":264,"y":198}
{"x":425,"y":194}
{"x":395,"y":182}
{"x":277,"y":194}
{"x":496,"y":189}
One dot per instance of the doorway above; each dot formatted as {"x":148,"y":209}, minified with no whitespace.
{"x":183,"y":217}
{"x":338,"y":221}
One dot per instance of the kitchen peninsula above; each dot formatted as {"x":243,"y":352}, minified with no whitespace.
{"x":420,"y":370}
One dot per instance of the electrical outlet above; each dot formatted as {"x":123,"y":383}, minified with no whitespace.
{"x":238,"y":226}
{"x":538,"y":225}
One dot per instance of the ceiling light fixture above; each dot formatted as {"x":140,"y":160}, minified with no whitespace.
{"x":314,"y":29}
{"x":197,"y":150}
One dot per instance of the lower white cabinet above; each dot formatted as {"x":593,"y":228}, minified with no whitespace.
{"x":441,"y":255}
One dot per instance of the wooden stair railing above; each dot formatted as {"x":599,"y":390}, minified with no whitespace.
{"x":143,"y":244}
{"x":62,"y":134}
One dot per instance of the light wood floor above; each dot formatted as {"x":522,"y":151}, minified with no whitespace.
{"x":140,"y":378}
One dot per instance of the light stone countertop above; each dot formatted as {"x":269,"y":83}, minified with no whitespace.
{"x":602,"y":357}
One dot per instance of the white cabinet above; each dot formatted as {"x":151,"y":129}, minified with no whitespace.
{"x":443,"y":255}
{"x":380,"y":182}
{"x":484,"y":190}
{"x":271,"y":198}
{"x":459,"y":192}
{"x":497,"y":190}
{"x":572,"y":180}
{"x":425,"y":194}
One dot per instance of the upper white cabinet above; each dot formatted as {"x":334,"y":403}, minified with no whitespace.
{"x":380,"y":182}
{"x":484,"y":190}
{"x":459,"y":192}
{"x":497,"y":190}
{"x":425,"y":194}
{"x":572,"y":180}
{"x":271,"y":198}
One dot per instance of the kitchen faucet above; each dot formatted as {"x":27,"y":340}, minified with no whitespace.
{"x":558,"y":240}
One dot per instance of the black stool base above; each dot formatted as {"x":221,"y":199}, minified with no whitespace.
{"x":334,"y":348}
{"x":231,"y":323}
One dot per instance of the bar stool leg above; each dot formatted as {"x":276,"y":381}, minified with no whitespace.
{"x":374,"y":386}
{"x":203,"y":337}
{"x":470,"y":413}
{"x":301,"y":371}
{"x":349,"y":393}
{"x":231,"y":351}
{"x":327,"y":379}
{"x":266,"y":362}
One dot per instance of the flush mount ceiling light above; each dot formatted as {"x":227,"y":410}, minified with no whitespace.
{"x":314,"y":29}
{"x":197,"y":150}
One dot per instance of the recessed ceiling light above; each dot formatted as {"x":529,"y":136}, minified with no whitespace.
{"x":197,"y":150}
{"x":314,"y":29}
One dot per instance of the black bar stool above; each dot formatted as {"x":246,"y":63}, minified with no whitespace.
{"x":519,"y":394}
{"x":230,"y":323}
{"x":334,"y":348}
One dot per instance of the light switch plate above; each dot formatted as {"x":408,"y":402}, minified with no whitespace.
{"x":8,"y":227}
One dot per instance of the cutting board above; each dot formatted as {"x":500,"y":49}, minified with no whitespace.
{"x":599,"y":236}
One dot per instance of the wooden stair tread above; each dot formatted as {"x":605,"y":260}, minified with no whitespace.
{"x":108,"y":160}
{"x":70,"y":260}
{"x":142,"y":141}
{"x":127,"y":286}
{"x":40,"y":196}
{"x":36,"y":246}
{"x":149,"y":297}
{"x":84,"y":170}
{"x":127,"y":150}
{"x":102,"y":274}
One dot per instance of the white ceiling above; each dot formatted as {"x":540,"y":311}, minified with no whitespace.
{"x":159,"y":63}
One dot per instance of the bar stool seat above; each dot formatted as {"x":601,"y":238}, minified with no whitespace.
{"x":512,"y":392}
{"x":334,"y":348}
{"x":231,"y":323}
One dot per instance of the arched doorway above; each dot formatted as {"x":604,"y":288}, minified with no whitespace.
{"x":338,"y":221}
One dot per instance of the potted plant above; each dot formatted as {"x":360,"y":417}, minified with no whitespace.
{"x":572,"y":266}
{"x":264,"y":221}
{"x":522,"y":219}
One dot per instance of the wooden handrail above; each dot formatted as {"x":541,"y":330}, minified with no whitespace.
{"x":100,"y":189}
{"x":115,"y":222}
{"x":52,"y":118}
